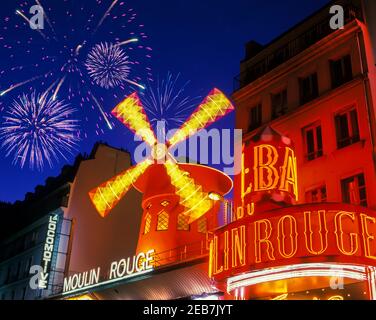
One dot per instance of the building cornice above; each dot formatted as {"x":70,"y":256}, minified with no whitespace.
{"x":318,"y":49}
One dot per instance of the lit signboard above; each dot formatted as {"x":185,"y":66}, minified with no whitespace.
{"x":310,"y":233}
{"x":48,"y":251}
{"x":269,"y":231}
{"x":268,"y":173}
{"x":119,"y":270}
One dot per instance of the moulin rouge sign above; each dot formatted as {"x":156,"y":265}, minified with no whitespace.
{"x":267,"y":233}
{"x":315,"y":233}
{"x":123,"y":269}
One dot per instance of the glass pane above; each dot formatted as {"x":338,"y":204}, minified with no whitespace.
{"x":346,"y":191}
{"x":343,"y":133}
{"x":201,"y":225}
{"x":362,"y":194}
{"x":147,"y":223}
{"x":183,"y":222}
{"x":361,"y":181}
{"x":163,"y":221}
{"x":315,"y":86}
{"x":347,"y":68}
{"x":319,"y":138}
{"x":354,"y":124}
{"x":336,"y":72}
{"x":310,"y":143}
{"x":323,"y":194}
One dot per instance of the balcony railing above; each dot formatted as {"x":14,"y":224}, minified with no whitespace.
{"x":292,"y":48}
{"x":181,"y":254}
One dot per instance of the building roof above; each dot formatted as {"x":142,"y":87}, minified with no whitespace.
{"x":45,"y":198}
{"x":261,"y":59}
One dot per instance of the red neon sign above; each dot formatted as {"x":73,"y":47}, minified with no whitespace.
{"x":305,"y":233}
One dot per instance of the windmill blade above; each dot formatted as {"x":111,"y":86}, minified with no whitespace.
{"x":215,"y":106}
{"x":131,"y":113}
{"x":106,"y":196}
{"x":191,"y":195}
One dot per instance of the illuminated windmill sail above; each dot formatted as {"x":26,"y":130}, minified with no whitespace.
{"x":131,"y":113}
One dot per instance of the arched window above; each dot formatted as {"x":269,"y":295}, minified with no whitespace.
{"x":183,"y":222}
{"x":165,"y":203}
{"x":162,"y":223}
{"x":202,"y":225}
{"x":147,"y":223}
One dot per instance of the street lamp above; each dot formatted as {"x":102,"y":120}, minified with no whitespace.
{"x":227,"y":206}
{"x":215,"y":196}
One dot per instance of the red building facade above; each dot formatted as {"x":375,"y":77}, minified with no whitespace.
{"x":315,"y":87}
{"x":322,"y":100}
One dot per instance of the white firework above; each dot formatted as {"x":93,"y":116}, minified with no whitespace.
{"x":108,"y":65}
{"x":38,"y":129}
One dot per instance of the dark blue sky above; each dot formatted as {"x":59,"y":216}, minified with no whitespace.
{"x":202,"y":40}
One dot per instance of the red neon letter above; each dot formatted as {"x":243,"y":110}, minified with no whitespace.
{"x":322,"y":232}
{"x":258,"y":240}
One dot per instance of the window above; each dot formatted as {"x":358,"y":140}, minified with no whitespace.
{"x":165,"y":203}
{"x":255,"y":117}
{"x":27,"y":266}
{"x":147,"y":223}
{"x":183,"y":220}
{"x":341,"y":71}
{"x":279,"y":104}
{"x":202,"y":225}
{"x":313,"y":142}
{"x":8,"y":277}
{"x":309,"y":88}
{"x":347,"y":128}
{"x":354,"y":190}
{"x":162,"y":221}
{"x":34,"y":238}
{"x":316,"y":195}
{"x":24,"y":290}
{"x":18,"y":272}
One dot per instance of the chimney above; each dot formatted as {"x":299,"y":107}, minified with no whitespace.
{"x":252,"y":48}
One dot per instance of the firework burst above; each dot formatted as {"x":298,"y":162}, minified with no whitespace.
{"x":167,"y":100}
{"x":76,"y":33}
{"x":38,"y":129}
{"x":108,"y":65}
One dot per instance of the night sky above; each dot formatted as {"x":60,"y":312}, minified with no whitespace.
{"x":202,"y":41}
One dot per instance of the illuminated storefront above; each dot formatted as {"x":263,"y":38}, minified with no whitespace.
{"x":304,"y":224}
{"x":277,"y":250}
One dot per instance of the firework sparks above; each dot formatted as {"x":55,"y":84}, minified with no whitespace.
{"x":43,"y":96}
{"x":58,"y":88}
{"x":101,"y":110}
{"x":20,"y":84}
{"x":46,"y":17}
{"x":59,"y":53}
{"x":106,"y":14}
{"x":127,"y":41}
{"x":167,"y":101}
{"x":29,"y":22}
{"x":37,"y":130}
{"x":108,"y":65}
